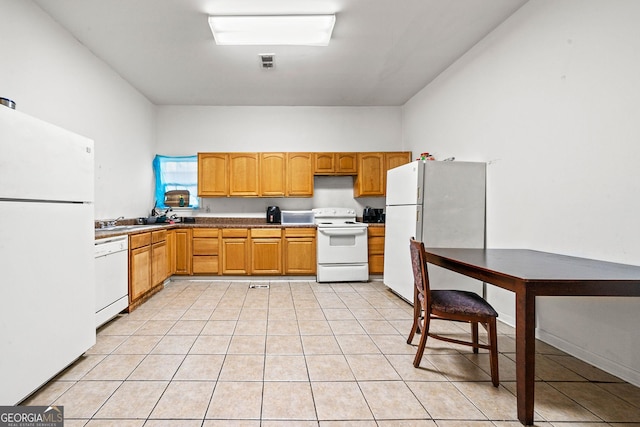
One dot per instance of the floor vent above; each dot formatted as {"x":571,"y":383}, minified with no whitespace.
{"x":258,"y":286}
{"x":267,"y":60}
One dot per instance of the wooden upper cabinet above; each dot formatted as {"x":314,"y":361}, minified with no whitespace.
{"x":370,"y":178}
{"x":346,"y":163}
{"x":213,"y":176}
{"x":335,"y":163}
{"x":395,"y":159}
{"x":299,"y":175}
{"x":323,"y":163}
{"x":243,"y":174}
{"x":291,"y":174}
{"x":273,"y":174}
{"x":372,"y":171}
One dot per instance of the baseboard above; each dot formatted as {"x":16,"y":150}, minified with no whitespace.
{"x":614,"y":368}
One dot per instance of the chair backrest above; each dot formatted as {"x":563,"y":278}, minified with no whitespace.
{"x":420,"y":274}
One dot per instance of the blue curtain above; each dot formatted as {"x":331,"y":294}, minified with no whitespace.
{"x":176,"y":173}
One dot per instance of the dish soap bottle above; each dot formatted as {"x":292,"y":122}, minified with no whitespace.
{"x":181,"y":203}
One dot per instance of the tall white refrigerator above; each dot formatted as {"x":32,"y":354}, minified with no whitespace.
{"x":47,"y":306}
{"x":441,"y":204}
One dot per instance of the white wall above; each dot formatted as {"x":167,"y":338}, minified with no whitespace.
{"x":550,"y":99}
{"x":186,"y":130}
{"x":51,"y":76}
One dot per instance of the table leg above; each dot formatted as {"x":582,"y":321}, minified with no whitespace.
{"x":525,"y":354}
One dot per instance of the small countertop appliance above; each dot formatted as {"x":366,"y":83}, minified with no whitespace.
{"x":372,"y":215}
{"x":273,"y":215}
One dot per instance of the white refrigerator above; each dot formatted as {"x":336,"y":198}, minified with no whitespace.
{"x":441,"y":204}
{"x":47,"y":308}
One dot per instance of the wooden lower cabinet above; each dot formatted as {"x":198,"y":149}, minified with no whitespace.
{"x":376,"y":249}
{"x":299,"y":251}
{"x":236,"y":257}
{"x":139,"y":272}
{"x":205,"y":249}
{"x":183,"y":251}
{"x":266,"y":251}
{"x":171,"y":253}
{"x":147,"y":266}
{"x":159,"y":270}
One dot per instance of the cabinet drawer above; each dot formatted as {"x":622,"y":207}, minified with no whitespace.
{"x":139,"y":240}
{"x":266,"y":232}
{"x":299,"y":232}
{"x":375,"y":231}
{"x":376,"y":264}
{"x":376,"y":245}
{"x":235,"y":232}
{"x":158,"y":236}
{"x":205,"y":264}
{"x":206,"y":246}
{"x":205,"y":232}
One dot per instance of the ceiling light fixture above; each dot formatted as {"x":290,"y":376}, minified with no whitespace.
{"x":305,"y":30}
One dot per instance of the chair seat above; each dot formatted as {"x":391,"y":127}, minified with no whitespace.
{"x":461,"y":302}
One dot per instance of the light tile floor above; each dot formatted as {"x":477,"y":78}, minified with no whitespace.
{"x":218,"y":353}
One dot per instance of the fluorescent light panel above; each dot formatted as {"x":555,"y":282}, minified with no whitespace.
{"x":306,"y":30}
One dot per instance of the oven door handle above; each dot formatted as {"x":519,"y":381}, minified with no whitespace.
{"x":342,"y":231}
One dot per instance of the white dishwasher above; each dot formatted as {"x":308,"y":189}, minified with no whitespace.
{"x":112,"y":277}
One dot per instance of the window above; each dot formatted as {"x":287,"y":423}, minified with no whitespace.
{"x":176,"y":173}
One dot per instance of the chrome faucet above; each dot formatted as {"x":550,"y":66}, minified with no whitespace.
{"x":112,"y":223}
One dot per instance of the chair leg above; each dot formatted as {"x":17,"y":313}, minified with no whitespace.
{"x":474,"y":336}
{"x":493,"y":351}
{"x":416,"y":321}
{"x":423,"y":340}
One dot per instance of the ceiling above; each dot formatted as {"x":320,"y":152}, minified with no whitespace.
{"x":382,"y":51}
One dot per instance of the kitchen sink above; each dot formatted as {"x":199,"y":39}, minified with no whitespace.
{"x":123,"y":227}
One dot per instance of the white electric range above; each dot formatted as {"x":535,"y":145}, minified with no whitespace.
{"x":342,"y":252}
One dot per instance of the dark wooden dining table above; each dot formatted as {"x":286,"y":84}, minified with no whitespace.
{"x":530,"y":274}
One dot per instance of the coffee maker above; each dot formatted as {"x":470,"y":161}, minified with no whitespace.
{"x":273,"y":215}
{"x":372,"y":215}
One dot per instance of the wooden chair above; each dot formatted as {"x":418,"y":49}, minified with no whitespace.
{"x":461,"y":306}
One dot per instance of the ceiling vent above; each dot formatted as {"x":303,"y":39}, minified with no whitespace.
{"x":267,"y":61}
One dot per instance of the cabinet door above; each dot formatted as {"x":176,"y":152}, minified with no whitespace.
{"x":376,"y":249}
{"x":266,"y":256}
{"x":158,"y":263}
{"x":139,"y":272}
{"x":300,"y":251}
{"x":243,"y":174}
{"x":213,"y":177}
{"x":323,"y":163}
{"x":171,"y":252}
{"x":272,"y":174}
{"x":370,"y":178}
{"x":235,"y":251}
{"x":395,"y":159}
{"x":346,"y":163}
{"x":299,"y":175}
{"x":183,"y":251}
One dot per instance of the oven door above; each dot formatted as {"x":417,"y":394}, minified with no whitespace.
{"x":342,"y":245}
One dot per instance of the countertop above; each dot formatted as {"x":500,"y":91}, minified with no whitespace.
{"x":128,"y":228}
